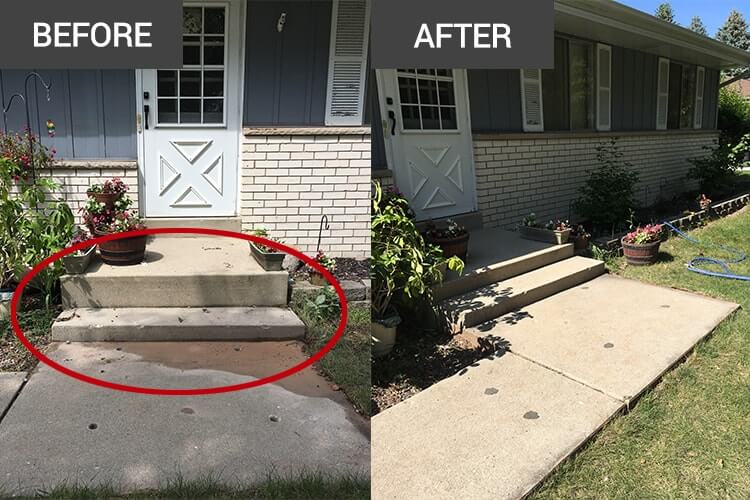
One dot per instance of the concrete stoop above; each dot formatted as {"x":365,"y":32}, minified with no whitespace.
{"x":187,"y":288}
{"x":498,"y":298}
{"x":139,"y":324}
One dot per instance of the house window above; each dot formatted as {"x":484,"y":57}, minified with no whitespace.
{"x":195,"y":93}
{"x":581,"y":71}
{"x":555,"y":90}
{"x":428,"y":100}
{"x":687,"y":97}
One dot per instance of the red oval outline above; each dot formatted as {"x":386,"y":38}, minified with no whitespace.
{"x":179,"y":392}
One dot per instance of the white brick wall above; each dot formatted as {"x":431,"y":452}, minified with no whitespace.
{"x":73,"y":182}
{"x":289,"y":182}
{"x":543,"y":174}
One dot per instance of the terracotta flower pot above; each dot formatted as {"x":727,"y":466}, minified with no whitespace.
{"x":640,"y":255}
{"x":123,"y":252}
{"x":581,"y":242}
{"x":452,"y":247}
{"x":108,"y":199}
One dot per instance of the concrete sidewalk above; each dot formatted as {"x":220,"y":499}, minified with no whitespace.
{"x":498,"y":428}
{"x":60,"y":430}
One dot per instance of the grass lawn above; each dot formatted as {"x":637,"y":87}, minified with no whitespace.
{"x":689,"y":437}
{"x":306,"y":486}
{"x":348,"y":363}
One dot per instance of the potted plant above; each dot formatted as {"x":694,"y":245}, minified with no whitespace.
{"x":269,"y":258}
{"x":581,"y":238}
{"x":453,"y":238}
{"x":123,"y":251}
{"x":77,"y":262}
{"x":108,"y":193}
{"x":328,"y":264}
{"x":557,"y":231}
{"x":641,"y":247}
{"x":403,"y":267}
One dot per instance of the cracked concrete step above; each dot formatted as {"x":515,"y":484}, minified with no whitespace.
{"x":491,"y":301}
{"x":180,"y":272}
{"x":179,"y":323}
{"x":504,"y":269}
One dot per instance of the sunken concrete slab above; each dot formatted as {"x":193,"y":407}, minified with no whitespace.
{"x":180,"y":272}
{"x":177,"y":323}
{"x":493,"y":431}
{"x":486,"y":303}
{"x":613,"y":334}
{"x":495,"y":255}
{"x":63,"y":430}
{"x":10,"y":384}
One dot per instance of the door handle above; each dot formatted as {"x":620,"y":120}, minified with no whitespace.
{"x":392,"y":116}
{"x":146,"y":109}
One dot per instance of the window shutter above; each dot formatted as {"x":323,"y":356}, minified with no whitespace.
{"x":347,"y":62}
{"x":700,"y":81}
{"x":662,"y":94}
{"x":531,"y":100}
{"x":603,"y":87}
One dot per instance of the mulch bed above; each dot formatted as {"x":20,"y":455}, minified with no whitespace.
{"x":35,"y":323}
{"x":346,"y":269}
{"x":421,"y":359}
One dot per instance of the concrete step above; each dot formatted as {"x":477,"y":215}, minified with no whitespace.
{"x":180,"y":272}
{"x":503,"y":269}
{"x":223,"y":223}
{"x":494,"y":300}
{"x":179,"y":323}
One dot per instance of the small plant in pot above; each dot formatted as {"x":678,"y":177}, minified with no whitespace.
{"x":580,"y":237}
{"x":403,"y":267}
{"x":641,"y":247}
{"x":268,"y":257}
{"x":78,"y":261}
{"x":557,"y":231}
{"x":327,"y":263}
{"x":108,"y":193}
{"x":453,"y":239}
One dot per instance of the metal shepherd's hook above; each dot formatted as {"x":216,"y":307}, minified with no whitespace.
{"x":323,"y":225}
{"x":25,"y":98}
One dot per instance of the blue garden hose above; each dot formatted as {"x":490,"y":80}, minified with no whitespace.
{"x":695,"y":262}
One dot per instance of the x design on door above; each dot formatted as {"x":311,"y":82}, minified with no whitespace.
{"x":190,"y":119}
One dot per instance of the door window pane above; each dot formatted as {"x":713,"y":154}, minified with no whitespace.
{"x":581,"y":73}
{"x":427,"y":98}
{"x":194,"y":94}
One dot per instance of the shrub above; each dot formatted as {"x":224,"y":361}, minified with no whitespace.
{"x":403,"y":267}
{"x":716,"y":170}
{"x":734,"y":115}
{"x":608,"y":196}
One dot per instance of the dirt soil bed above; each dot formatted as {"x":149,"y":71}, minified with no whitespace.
{"x":346,"y":269}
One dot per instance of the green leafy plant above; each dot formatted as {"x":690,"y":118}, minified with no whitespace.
{"x":403,"y":267}
{"x":557,"y":225}
{"x":734,"y":115}
{"x":715,"y":170}
{"x":325,"y":261}
{"x":608,"y":195}
{"x":452,"y":229}
{"x":263,"y":233}
{"x":121,"y":218}
{"x":33,"y":226}
{"x":324,"y":306}
{"x":644,"y":235}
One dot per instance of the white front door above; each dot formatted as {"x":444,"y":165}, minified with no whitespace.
{"x":191,"y":118}
{"x":428,"y":139}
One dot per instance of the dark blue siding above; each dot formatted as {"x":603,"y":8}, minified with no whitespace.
{"x":633,"y":90}
{"x":286,"y":73}
{"x":495,"y":97}
{"x":93,"y":111}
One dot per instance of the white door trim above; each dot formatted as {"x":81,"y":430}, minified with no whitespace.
{"x":395,"y":154}
{"x":240,"y":25}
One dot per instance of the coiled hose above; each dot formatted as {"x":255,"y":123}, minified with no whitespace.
{"x":696,"y":262}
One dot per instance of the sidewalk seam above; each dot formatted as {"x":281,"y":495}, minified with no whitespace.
{"x":13,"y":399}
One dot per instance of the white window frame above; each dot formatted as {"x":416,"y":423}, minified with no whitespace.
{"x":660,"y":95}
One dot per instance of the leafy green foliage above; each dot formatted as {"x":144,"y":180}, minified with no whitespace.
{"x":403,"y":267}
{"x":32,"y":225}
{"x":716,"y":170}
{"x":696,"y":25}
{"x":325,"y":306}
{"x":735,"y":32}
{"x":665,"y":12}
{"x":608,"y":196}
{"x":734,"y":115}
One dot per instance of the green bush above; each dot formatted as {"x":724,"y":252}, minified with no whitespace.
{"x":403,"y":267}
{"x":715,"y":171}
{"x":607,"y":198}
{"x":734,"y":116}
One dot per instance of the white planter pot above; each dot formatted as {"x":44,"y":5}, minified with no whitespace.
{"x":383,"y":337}
{"x":5,"y":298}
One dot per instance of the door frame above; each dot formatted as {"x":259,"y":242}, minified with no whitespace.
{"x":460,"y":75}
{"x":241,"y":51}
